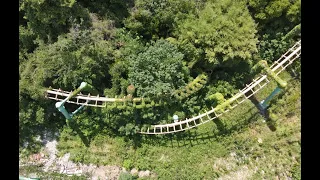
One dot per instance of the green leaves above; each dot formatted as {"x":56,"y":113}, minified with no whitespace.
{"x":63,"y":43}
{"x":271,"y":49}
{"x":156,"y":19}
{"x":128,"y":129}
{"x":50,"y":18}
{"x":223,"y":30}
{"x":294,"y":12}
{"x":81,"y":55}
{"x":275,"y":16}
{"x":266,"y":10}
{"x":26,"y":38}
{"x":157,"y":71}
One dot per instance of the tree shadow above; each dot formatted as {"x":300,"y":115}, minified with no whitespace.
{"x":135,"y":140}
{"x":264,"y":113}
{"x":180,"y":139}
{"x":76,"y":128}
{"x":220,"y":126}
{"x":256,"y":102}
{"x":193,"y":137}
{"x":270,"y":123}
{"x":223,"y":129}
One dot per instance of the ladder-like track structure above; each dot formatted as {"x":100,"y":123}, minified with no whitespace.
{"x":257,"y":84}
{"x":81,"y":99}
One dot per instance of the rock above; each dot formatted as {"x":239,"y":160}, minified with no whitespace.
{"x":144,"y":173}
{"x":112,"y":172}
{"x":94,"y":178}
{"x":134,"y":171}
{"x":33,"y":175}
{"x":78,"y":171}
{"x":63,"y":165}
{"x":65,"y":158}
{"x":99,"y":172}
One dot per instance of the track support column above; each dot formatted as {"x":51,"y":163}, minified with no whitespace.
{"x":60,"y":105}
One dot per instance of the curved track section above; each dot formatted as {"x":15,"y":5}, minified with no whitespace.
{"x":277,"y":67}
{"x":96,"y":101}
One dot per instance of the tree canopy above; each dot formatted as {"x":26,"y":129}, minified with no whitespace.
{"x":222,"y":31}
{"x":157,"y":19}
{"x":205,"y":48}
{"x":159,"y":70}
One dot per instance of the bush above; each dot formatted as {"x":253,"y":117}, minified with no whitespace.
{"x":128,"y":164}
{"x":158,"y":70}
{"x":126,"y":176}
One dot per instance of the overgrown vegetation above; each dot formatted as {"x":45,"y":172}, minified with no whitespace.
{"x":240,"y":141}
{"x":182,"y":56}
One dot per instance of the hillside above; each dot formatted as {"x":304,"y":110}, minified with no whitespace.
{"x":152,"y":61}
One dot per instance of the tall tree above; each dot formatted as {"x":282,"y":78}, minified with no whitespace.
{"x":158,"y":70}
{"x":275,"y":16}
{"x":80,"y":55}
{"x":50,"y":18}
{"x":222,"y":33}
{"x":111,"y":9}
{"x":278,"y":25}
{"x":154,"y":19}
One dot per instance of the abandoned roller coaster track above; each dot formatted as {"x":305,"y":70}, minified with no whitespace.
{"x":250,"y":89}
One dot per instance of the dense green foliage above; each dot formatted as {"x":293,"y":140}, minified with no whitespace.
{"x":275,"y":19}
{"x":223,"y":148}
{"x":276,"y":14}
{"x":184,"y":57}
{"x":49,"y":18}
{"x":222,"y":32}
{"x":156,"y":19}
{"x":159,"y":70}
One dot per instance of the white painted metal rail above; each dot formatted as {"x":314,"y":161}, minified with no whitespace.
{"x":250,"y":89}
{"x":278,"y":66}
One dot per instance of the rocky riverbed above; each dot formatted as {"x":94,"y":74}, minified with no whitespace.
{"x":49,"y":162}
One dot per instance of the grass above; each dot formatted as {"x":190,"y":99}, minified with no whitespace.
{"x":237,"y":145}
